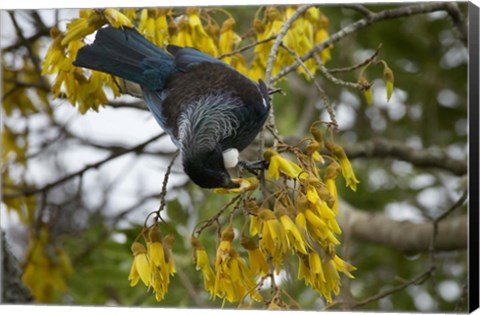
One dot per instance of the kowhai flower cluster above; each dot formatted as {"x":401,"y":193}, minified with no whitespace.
{"x":153,"y":264}
{"x":297,"y":218}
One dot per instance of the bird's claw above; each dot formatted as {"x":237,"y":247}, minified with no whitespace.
{"x":253,"y":167}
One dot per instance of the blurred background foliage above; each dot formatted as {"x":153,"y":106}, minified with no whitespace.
{"x":94,"y":218}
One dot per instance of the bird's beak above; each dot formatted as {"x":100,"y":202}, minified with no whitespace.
{"x":228,"y":183}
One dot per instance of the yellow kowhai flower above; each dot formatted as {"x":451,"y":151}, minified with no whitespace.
{"x":347,"y":170}
{"x":223,"y":250}
{"x":294,"y":236}
{"x":130,"y":13}
{"x":228,"y":39}
{"x":202,"y":263}
{"x":183,"y":37}
{"x":141,"y":268}
{"x":147,"y":23}
{"x":278,"y":163}
{"x":155,"y":250}
{"x":253,"y":208}
{"x":167,"y":247}
{"x":274,"y":240}
{"x":318,"y":204}
{"x":343,"y":266}
{"x":161,"y":27}
{"x":316,"y":271}
{"x":55,"y":52}
{"x":235,"y":280}
{"x":161,"y":260}
{"x":200,"y":38}
{"x":301,"y":223}
{"x":303,"y":269}
{"x":300,"y":39}
{"x":81,"y":27}
{"x":258,"y":262}
{"x":331,"y":283}
{"x":116,"y":18}
{"x":331,"y":173}
{"x":313,"y":150}
{"x":257,"y":69}
{"x":388,"y":75}
{"x":367,"y":91}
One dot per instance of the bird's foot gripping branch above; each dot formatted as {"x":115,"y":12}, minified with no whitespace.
{"x":288,"y":217}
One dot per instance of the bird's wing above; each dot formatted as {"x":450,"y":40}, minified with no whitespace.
{"x":185,"y":57}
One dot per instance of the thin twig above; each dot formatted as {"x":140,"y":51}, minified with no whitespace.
{"x":334,"y":79}
{"x":163,"y":194}
{"x":359,"y":65}
{"x":246,"y":47}
{"x":360,"y":8}
{"x":214,"y":218}
{"x":323,"y":95}
{"x":419,"y":279}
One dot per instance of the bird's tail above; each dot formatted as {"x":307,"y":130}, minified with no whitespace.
{"x":129,"y":55}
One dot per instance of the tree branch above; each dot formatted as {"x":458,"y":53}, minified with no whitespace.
{"x":71,"y":176}
{"x":377,"y":228}
{"x":382,"y":148}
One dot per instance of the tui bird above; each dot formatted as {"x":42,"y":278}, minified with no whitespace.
{"x":210,"y":110}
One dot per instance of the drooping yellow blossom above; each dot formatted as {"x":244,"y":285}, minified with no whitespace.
{"x":155,"y":251}
{"x":362,"y":80}
{"x":331,"y":173}
{"x":78,"y":28}
{"x":293,"y":234}
{"x":202,"y":263}
{"x":153,"y":25}
{"x":228,"y":39}
{"x":347,"y":170}
{"x":316,"y":271}
{"x":141,"y":268}
{"x":274,"y":240}
{"x":258,"y":262}
{"x":313,"y":150}
{"x":117,"y":18}
{"x":55,"y":52}
{"x":343,"y":266}
{"x":167,"y":247}
{"x":223,"y":250}
{"x":299,"y":38}
{"x":200,"y":38}
{"x":253,"y":209}
{"x":278,"y":163}
{"x":233,"y":278}
{"x":388,"y":75}
{"x":182,"y":37}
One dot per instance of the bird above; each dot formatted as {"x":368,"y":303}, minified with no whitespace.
{"x":209,"y":109}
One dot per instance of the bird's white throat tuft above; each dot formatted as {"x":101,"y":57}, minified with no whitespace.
{"x":230,"y":158}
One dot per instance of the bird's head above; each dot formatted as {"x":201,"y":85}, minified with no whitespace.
{"x":207,"y":169}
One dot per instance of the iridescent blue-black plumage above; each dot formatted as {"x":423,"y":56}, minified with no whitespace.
{"x":206,"y":106}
